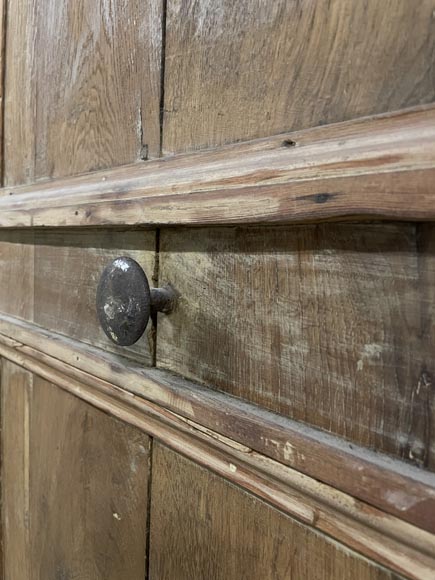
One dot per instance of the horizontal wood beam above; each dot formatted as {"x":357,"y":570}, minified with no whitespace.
{"x":373,"y":478}
{"x":374,"y":168}
{"x":379,"y":536}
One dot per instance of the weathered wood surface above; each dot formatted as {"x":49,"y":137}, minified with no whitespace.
{"x":82,"y":86}
{"x":16,"y":390}
{"x":329,"y":325}
{"x":242,"y":70}
{"x":371,"y":477}
{"x":371,"y":168}
{"x":381,"y":537}
{"x":17,"y":273}
{"x":204,"y":527}
{"x":75,"y":486}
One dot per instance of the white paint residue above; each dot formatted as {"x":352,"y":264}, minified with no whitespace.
{"x":113,"y":335}
{"x":117,"y":516}
{"x":232,"y":467}
{"x":109,"y":310}
{"x":124,"y":266}
{"x":371,"y":352}
{"x":402,"y":500}
{"x":288,"y":451}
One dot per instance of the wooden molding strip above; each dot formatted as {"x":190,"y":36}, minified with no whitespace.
{"x":373,"y":478}
{"x":374,"y":168}
{"x":379,"y":536}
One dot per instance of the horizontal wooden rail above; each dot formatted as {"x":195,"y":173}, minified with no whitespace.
{"x":370,"y":477}
{"x":366,"y":529}
{"x":374,"y":168}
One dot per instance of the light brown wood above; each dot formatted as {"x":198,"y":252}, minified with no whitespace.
{"x":75,"y":486}
{"x":241,"y":70}
{"x":82,"y":93}
{"x":18,"y":160}
{"x":204,"y":527}
{"x":324,"y":324}
{"x":17,"y":268}
{"x":82,"y":86}
{"x":3,"y":7}
{"x":16,"y":391}
{"x":89,"y":478}
{"x":387,"y":540}
{"x":219,"y":420}
{"x":374,"y":168}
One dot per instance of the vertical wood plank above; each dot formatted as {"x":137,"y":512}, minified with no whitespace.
{"x":75,"y":486}
{"x":16,"y":388}
{"x":17,"y":267}
{"x":19,"y":94}
{"x":204,"y":527}
{"x":85,"y":80}
{"x":240,"y":70}
{"x":89,"y":481}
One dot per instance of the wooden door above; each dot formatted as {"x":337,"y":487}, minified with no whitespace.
{"x":273,"y":162}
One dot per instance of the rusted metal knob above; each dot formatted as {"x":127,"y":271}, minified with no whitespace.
{"x":125,"y":301}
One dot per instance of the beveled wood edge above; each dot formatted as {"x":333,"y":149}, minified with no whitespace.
{"x":381,"y":537}
{"x":373,"y":478}
{"x":380,"y":167}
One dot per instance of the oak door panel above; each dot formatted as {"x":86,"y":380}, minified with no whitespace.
{"x":330,"y":325}
{"x":203,"y":527}
{"x":17,"y":270}
{"x":82,"y":86}
{"x":241,"y":70}
{"x":75,"y":486}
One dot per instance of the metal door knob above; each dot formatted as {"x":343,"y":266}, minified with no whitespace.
{"x":125,"y":301}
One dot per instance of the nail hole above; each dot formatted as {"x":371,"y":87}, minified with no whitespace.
{"x":76,"y":213}
{"x":289,"y":143}
{"x":144,"y":152}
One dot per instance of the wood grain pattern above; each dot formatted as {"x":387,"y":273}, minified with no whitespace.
{"x":88,"y":490}
{"x":68,"y":267}
{"x":241,"y":70}
{"x":61,"y":480}
{"x":203,"y":527}
{"x":167,"y":407}
{"x":16,"y":392}
{"x":17,"y":267}
{"x":387,"y":540}
{"x":90,"y":76}
{"x":374,"y":168}
{"x":325,"y":324}
{"x":19,"y":104}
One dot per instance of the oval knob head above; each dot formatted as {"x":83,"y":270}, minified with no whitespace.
{"x":123,"y":301}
